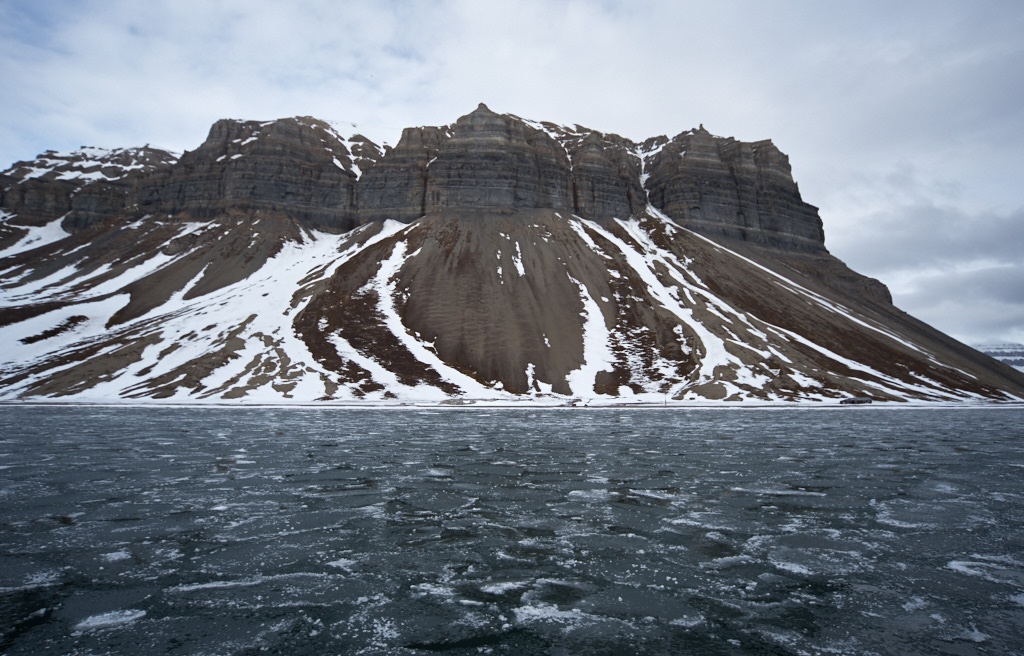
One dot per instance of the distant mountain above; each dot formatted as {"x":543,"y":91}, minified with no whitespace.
{"x":1009,"y":353}
{"x":494,"y":258}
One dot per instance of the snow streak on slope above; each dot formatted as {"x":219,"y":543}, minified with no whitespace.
{"x":796,"y":288}
{"x":643,"y":263}
{"x":385,"y":286}
{"x":35,"y":237}
{"x":246,"y":349}
{"x":597,"y":353}
{"x":734,"y":348}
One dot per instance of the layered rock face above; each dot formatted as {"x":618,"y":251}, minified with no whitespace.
{"x":730,"y":188}
{"x":299,"y":166}
{"x":396,"y":187}
{"x":498,"y":163}
{"x":606,"y":177}
{"x":486,"y":161}
{"x":83,"y":186}
{"x":501,"y":163}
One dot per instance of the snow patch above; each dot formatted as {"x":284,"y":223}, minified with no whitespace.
{"x":597,"y":352}
{"x":36,"y":237}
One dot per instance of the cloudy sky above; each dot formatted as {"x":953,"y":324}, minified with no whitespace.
{"x":904,"y":121}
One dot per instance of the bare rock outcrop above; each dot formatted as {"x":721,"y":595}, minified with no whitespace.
{"x":502,"y":164}
{"x":300,"y":166}
{"x":82,"y":186}
{"x":720,"y":186}
{"x":485,"y":161}
{"x":497,"y":162}
{"x":606,"y":177}
{"x":396,"y":187}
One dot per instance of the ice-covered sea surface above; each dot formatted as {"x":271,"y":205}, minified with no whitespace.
{"x":750,"y":531}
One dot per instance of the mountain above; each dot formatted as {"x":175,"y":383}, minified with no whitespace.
{"x":495,"y":258}
{"x":1010,"y":353}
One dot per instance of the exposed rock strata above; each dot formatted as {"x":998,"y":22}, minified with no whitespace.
{"x":396,"y":187}
{"x":725,"y":187}
{"x":81,"y":187}
{"x":606,"y":177}
{"x":498,"y":163}
{"x":301,"y":166}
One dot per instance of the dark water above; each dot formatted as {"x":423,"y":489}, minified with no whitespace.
{"x":299,"y":531}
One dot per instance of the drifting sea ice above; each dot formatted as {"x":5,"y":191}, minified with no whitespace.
{"x":213,"y":530}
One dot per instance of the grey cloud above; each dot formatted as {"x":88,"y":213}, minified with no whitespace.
{"x":931,"y":236}
{"x":971,"y":312}
{"x":993,"y":284}
{"x":962,"y":273}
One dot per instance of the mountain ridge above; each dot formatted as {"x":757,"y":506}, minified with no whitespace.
{"x":494,"y":258}
{"x":1011,"y":353}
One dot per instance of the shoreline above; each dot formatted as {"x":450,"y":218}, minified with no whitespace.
{"x":532,"y":405}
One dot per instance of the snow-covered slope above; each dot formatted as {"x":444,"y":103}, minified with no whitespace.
{"x":537,"y":305}
{"x":89,"y":164}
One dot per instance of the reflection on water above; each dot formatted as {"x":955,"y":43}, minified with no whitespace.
{"x":845,"y":531}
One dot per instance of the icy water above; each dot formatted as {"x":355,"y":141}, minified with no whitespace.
{"x":308,"y":531}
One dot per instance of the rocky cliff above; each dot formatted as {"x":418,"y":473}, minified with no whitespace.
{"x":79,"y":187}
{"x":726,"y":187}
{"x":495,"y":258}
{"x":484,"y":161}
{"x":501,"y":163}
{"x":300,"y":165}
